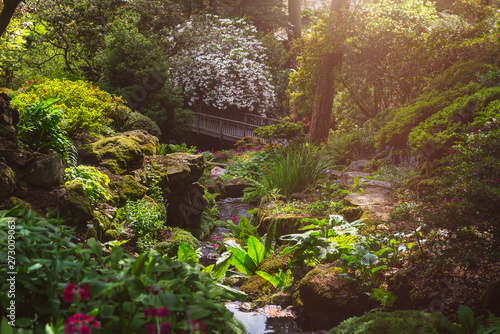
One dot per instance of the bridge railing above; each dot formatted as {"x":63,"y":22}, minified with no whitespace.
{"x":228,"y":128}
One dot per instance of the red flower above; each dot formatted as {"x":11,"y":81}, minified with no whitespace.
{"x":162,"y":312}
{"x":69,"y":293}
{"x":84,"y":291}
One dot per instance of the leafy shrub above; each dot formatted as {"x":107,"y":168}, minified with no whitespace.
{"x":95,"y":183}
{"x":344,"y":148}
{"x":389,"y":322}
{"x":146,"y":219}
{"x":173,"y":148}
{"x":437,"y":133}
{"x":395,"y":132}
{"x":134,"y":66}
{"x":87,"y":109}
{"x":466,"y":191}
{"x":56,"y":279}
{"x":41,"y":127}
{"x":282,"y":132}
{"x":138,"y":121}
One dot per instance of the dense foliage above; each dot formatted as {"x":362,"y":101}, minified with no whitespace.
{"x":58,"y":280}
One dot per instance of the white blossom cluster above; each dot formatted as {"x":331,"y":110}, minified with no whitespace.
{"x":220,"y":63}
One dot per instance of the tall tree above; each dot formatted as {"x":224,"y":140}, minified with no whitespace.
{"x":325,"y":91}
{"x":8,"y":10}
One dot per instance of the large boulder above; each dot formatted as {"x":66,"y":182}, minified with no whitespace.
{"x":123,"y":153}
{"x":126,"y":189}
{"x":234,"y":188}
{"x":176,"y":174}
{"x":73,"y":206}
{"x":328,"y":298}
{"x":285,"y":223}
{"x":7,"y":181}
{"x":45,"y":171}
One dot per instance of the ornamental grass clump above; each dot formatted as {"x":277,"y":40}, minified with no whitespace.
{"x":294,"y":169}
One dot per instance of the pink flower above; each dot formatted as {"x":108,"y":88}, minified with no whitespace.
{"x":69,"y":293}
{"x":85,"y":330}
{"x":84,"y":291}
{"x":162,"y":312}
{"x":151,"y":329}
{"x":215,"y":245}
{"x":217,"y":238}
{"x":234,"y":218}
{"x":165,"y":328}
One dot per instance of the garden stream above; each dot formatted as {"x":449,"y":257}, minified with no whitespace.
{"x":268,"y":319}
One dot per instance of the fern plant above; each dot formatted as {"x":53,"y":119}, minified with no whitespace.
{"x":40,"y":126}
{"x":469,"y":324}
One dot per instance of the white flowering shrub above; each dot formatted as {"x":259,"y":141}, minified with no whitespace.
{"x":221,"y":63}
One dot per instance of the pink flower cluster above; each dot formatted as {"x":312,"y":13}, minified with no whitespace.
{"x":80,"y":323}
{"x":83,"y":292}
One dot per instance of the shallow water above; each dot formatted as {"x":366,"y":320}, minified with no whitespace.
{"x":230,"y":207}
{"x":258,"y":321}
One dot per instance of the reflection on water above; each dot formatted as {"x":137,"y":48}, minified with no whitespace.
{"x":257,"y":322}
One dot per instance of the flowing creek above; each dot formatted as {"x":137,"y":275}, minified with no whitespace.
{"x":265,"y":320}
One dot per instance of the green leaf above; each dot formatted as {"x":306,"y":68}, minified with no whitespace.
{"x":256,"y":250}
{"x":236,"y":294}
{"x":466,"y":318}
{"x":369,"y":259}
{"x":6,"y":328}
{"x":269,"y":238}
{"x":199,"y":311}
{"x":95,"y":246}
{"x":274,"y":280}
{"x":138,"y":265}
{"x":187,"y":253}
{"x":222,"y":265}
{"x":34,"y":267}
{"x":243,"y":262}
{"x":116,"y":255}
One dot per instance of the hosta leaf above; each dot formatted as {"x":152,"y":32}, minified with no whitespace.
{"x":369,"y":259}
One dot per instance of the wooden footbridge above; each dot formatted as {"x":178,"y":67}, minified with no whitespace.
{"x":229,"y":125}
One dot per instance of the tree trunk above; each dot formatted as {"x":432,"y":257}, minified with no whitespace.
{"x":294,"y":17}
{"x":9,"y":8}
{"x":321,"y":118}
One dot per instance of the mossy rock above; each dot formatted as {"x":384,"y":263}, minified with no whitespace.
{"x":329,"y":298}
{"x":7,"y":181}
{"x":127,"y":189}
{"x":14,"y":201}
{"x":352,"y":213}
{"x":123,"y":153}
{"x":256,"y":287}
{"x":170,"y":238}
{"x":74,"y":207}
{"x":285,"y":224}
{"x":215,"y":187}
{"x":396,"y":322}
{"x":102,"y":223}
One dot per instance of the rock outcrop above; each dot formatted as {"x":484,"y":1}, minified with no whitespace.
{"x":327,"y":298}
{"x":123,"y":153}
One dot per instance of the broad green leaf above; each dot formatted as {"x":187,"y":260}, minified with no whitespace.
{"x":369,"y":259}
{"x":187,"y":253}
{"x":6,"y":328}
{"x":95,"y":246}
{"x":243,"y":262}
{"x":274,"y":280}
{"x":256,"y":250}
{"x":116,"y":254}
{"x":236,"y":294}
{"x":222,"y":265}
{"x":466,"y":318}
{"x":138,"y":265}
